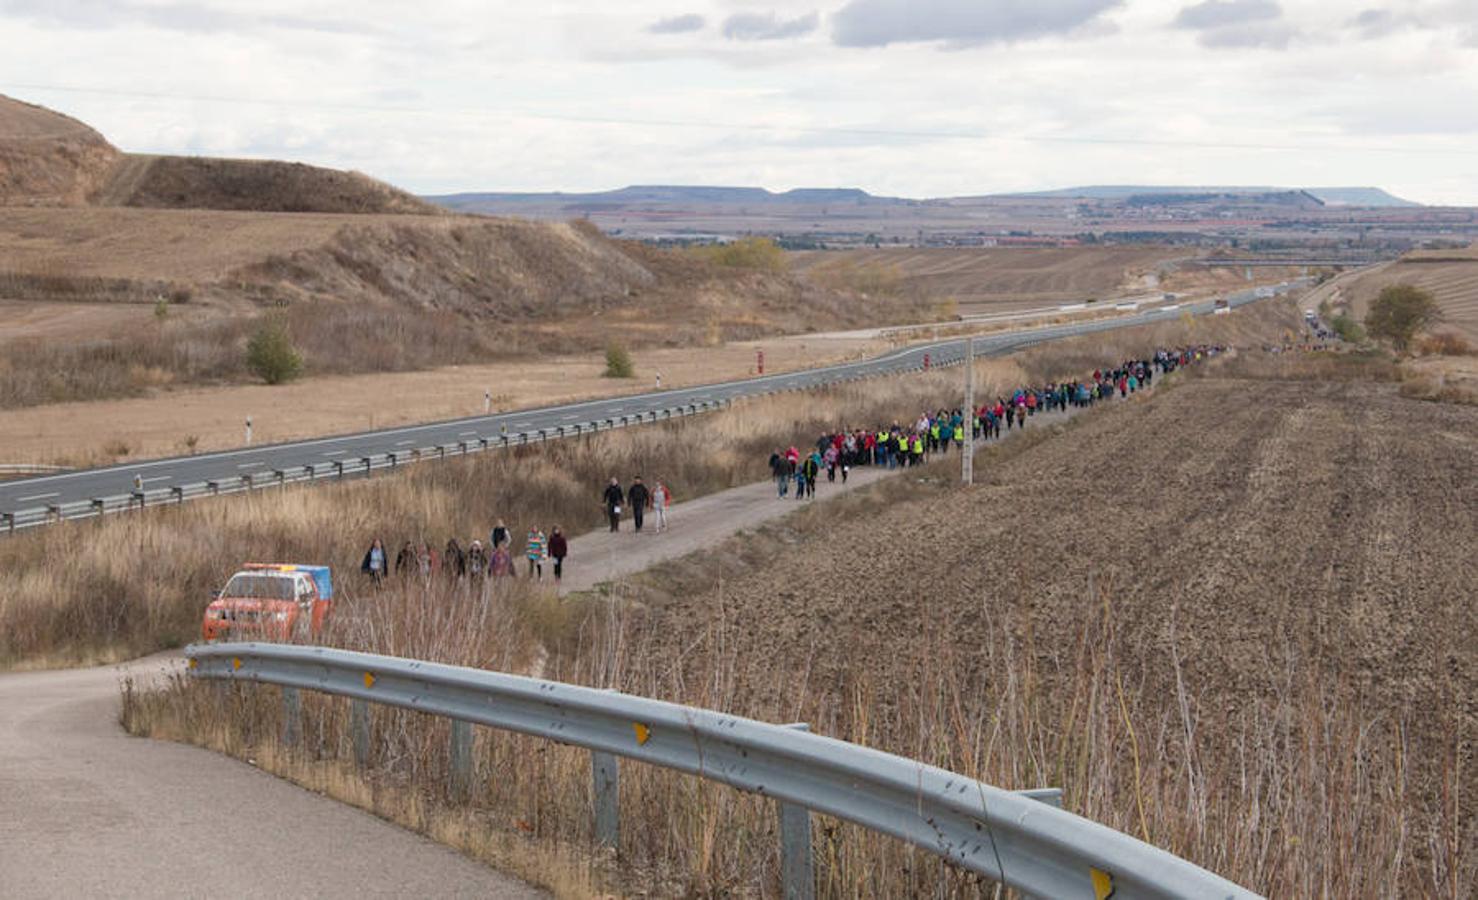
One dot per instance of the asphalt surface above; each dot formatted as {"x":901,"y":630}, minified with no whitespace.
{"x":36,"y":501}
{"x":87,"y":811}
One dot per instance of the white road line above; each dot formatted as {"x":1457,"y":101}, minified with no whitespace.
{"x":466,"y":433}
{"x":333,"y":453}
{"x":155,"y":478}
{"x":404,"y":443}
{"x":36,"y":497}
{"x":569,"y":418}
{"x":521,"y":425}
{"x":250,"y":465}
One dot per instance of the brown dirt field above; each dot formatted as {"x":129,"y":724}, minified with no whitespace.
{"x":1277,"y":577}
{"x":1450,"y":275}
{"x":168,"y":245}
{"x":78,"y":433}
{"x":994,"y":279}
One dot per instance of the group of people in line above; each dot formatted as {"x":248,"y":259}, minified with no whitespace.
{"x":497,"y":558}
{"x":492,"y":560}
{"x":835,"y":454}
{"x":639,"y":499}
{"x":912,"y":444}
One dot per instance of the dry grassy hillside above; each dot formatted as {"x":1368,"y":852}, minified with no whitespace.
{"x":1451,"y":276}
{"x":991,"y":279}
{"x":363,"y":294}
{"x":189,"y":182}
{"x":47,"y":159}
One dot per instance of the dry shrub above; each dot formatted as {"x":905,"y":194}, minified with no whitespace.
{"x":1444,"y":344}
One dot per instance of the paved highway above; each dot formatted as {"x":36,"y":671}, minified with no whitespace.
{"x":36,"y":501}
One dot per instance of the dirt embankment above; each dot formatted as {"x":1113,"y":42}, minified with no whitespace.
{"x":1236,"y":618}
{"x":47,"y":159}
{"x":1451,"y":276}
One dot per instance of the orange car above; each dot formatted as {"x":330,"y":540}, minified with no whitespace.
{"x":270,"y":601}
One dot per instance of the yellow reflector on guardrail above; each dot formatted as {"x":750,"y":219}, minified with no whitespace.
{"x":235,"y":662}
{"x":643,"y":733}
{"x":1103,"y":884}
{"x":369,"y":679}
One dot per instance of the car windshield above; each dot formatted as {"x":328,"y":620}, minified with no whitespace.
{"x":260,"y":587}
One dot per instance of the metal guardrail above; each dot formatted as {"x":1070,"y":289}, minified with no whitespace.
{"x":1010,"y":837}
{"x":35,"y":517}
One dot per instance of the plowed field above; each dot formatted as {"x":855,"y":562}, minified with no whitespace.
{"x":1236,"y":618}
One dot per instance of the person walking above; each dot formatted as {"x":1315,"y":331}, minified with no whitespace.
{"x":453,"y":560}
{"x":500,"y":564}
{"x":613,"y":498}
{"x":661,"y":500}
{"x":639,"y":498}
{"x":477,"y":560}
{"x":427,"y":562}
{"x":375,"y":563}
{"x":499,"y":535}
{"x":405,"y":560}
{"x":780,"y":471}
{"x":559,"y":548}
{"x":535,"y":549}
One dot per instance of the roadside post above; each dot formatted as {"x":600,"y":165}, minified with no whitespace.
{"x":487,"y":402}
{"x":759,"y":361}
{"x":248,"y":431}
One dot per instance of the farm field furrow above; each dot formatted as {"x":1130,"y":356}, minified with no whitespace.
{"x":1253,"y":599}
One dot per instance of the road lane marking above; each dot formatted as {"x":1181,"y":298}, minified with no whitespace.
{"x":36,"y":497}
{"x":404,"y":443}
{"x":466,"y":433}
{"x":333,"y":453}
{"x":250,"y":465}
{"x":155,"y":478}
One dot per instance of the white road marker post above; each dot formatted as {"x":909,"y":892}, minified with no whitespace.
{"x":967,"y":458}
{"x":487,"y":402}
{"x":248,"y":431}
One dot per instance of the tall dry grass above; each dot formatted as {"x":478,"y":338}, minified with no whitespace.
{"x":1291,"y":792}
{"x":125,"y":585}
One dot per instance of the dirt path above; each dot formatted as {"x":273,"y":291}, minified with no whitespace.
{"x":602,"y":556}
{"x":86,"y":810}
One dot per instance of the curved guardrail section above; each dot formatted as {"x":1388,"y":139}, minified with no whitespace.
{"x":1006,"y":836}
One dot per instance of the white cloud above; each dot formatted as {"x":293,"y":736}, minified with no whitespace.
{"x":878,"y":23}
{"x":1237,"y":24}
{"x":497,"y":95}
{"x":767,"y":26}
{"x":683,"y":24}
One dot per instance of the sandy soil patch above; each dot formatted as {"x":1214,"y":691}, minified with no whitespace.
{"x":78,"y":433}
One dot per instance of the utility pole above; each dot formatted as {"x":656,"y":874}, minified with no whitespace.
{"x":967,"y":458}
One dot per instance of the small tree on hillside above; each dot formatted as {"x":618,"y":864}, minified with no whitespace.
{"x":1399,"y":313}
{"x":270,"y":354}
{"x":618,"y":362}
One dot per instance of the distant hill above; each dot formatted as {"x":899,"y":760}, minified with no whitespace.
{"x":1338,"y":196}
{"x":647,"y":195}
{"x":48,"y":159}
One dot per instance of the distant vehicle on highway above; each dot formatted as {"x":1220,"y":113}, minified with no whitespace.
{"x":1221,"y":307}
{"x":272,"y":601}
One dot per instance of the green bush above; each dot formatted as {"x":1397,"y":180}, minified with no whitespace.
{"x":1347,"y":328}
{"x":1399,"y":312}
{"x":618,"y":362}
{"x":761,"y":254}
{"x":270,"y":354}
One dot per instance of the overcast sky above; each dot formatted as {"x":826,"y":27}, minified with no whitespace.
{"x":903,"y":97}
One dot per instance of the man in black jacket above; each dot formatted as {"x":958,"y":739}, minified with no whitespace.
{"x":638,"y":497}
{"x":613,"y":499}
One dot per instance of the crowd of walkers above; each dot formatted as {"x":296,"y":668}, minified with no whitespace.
{"x":836,"y":454}
{"x":934,"y":432}
{"x":495,"y":559}
{"x":498,"y":558}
